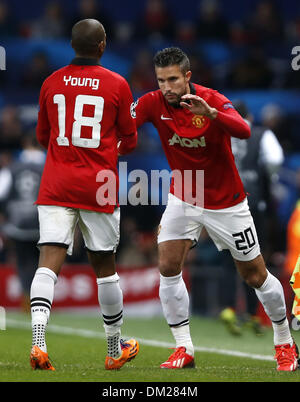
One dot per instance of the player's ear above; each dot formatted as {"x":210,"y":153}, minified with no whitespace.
{"x":188,"y":75}
{"x":102,"y":46}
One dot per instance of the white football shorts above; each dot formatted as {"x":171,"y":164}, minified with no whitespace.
{"x":100,"y":231}
{"x":229,"y":228}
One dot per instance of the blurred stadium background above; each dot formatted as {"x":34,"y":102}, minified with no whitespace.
{"x":243,"y":49}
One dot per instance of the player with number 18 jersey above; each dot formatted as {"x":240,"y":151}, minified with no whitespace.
{"x":84,"y":113}
{"x":84,"y":123}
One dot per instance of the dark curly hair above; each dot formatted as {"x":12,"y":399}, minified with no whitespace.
{"x":172,"y":56}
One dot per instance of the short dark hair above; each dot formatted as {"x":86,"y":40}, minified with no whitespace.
{"x":86,"y":36}
{"x":171,"y":56}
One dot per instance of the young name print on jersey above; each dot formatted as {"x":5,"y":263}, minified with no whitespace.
{"x":81,"y":82}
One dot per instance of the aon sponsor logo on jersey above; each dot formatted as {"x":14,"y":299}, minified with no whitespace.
{"x":187,"y":142}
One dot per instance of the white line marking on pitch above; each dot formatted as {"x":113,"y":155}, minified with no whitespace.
{"x":87,"y":333}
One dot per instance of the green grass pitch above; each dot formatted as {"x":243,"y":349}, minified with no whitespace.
{"x":77,"y":349}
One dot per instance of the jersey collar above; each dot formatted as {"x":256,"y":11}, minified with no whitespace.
{"x":85,"y":61}
{"x":192,"y":88}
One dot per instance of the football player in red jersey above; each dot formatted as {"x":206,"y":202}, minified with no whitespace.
{"x":84,"y":122}
{"x":195,"y":124}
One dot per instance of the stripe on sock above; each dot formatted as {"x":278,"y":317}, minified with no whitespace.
{"x":279,"y":321}
{"x":180,"y":324}
{"x":112,"y":319}
{"x":40,"y":301}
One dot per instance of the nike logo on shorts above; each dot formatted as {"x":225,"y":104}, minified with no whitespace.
{"x":165,"y":118}
{"x":247,"y":252}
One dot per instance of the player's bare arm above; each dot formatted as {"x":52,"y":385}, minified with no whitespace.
{"x":198,"y":105}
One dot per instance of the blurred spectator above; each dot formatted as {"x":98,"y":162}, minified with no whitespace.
{"x":7,"y":25}
{"x":5,"y":176}
{"x":146,"y":243}
{"x":123,"y":32}
{"x":257,"y":160}
{"x":129,"y":252}
{"x":293,"y":29}
{"x":138,"y":234}
{"x":11,"y":130}
{"x":273,"y":117}
{"x":210,"y":23}
{"x":51,"y":25}
{"x":21,"y":216}
{"x":36,"y":71}
{"x":142,"y":77}
{"x":5,"y":181}
{"x":238,"y":34}
{"x":92,"y":9}
{"x":155,"y":23}
{"x":266,"y":24}
{"x":201,"y":71}
{"x":186,"y":33}
{"x":140,"y":250}
{"x":253,"y":71}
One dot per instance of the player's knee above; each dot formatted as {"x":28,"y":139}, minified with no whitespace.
{"x":254,"y":279}
{"x":253,"y":272}
{"x":169,"y":266}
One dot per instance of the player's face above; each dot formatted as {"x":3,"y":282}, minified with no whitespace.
{"x":173,"y":83}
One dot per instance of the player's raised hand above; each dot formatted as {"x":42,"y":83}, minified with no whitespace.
{"x":198,"y":105}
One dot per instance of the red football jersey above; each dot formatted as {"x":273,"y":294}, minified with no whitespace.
{"x":84,"y":113}
{"x":194,"y":143}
